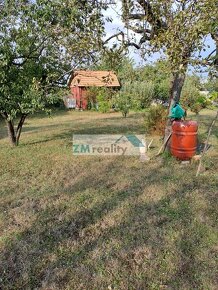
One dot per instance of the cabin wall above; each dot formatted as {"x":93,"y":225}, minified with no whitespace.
{"x":79,"y":94}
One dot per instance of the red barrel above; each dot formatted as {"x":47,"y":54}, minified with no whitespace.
{"x":184,"y":139}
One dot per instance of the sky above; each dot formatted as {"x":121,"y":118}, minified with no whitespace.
{"x":116,"y":25}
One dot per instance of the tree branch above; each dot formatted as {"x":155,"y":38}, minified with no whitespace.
{"x":139,"y":30}
{"x":115,"y":36}
{"x":29,"y":55}
{"x":136,"y":16}
{"x":134,"y":44}
{"x":150,"y":16}
{"x":211,"y":54}
{"x":4,"y":115}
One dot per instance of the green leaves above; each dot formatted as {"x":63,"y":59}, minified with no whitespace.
{"x":176,"y":27}
{"x":191,"y":97}
{"x":40,"y":41}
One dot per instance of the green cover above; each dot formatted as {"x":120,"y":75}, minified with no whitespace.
{"x":177,"y":112}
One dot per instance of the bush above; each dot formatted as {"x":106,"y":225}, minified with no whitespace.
{"x":203,"y":101}
{"x":91,"y":97}
{"x":192,"y":98}
{"x":103,"y":101}
{"x":196,"y":108}
{"x":146,"y":93}
{"x":214,"y":97}
{"x":122,"y":103}
{"x":99,"y":99}
{"x":103,"y":106}
{"x":155,"y":120}
{"x":162,"y":90}
{"x":137,"y":95}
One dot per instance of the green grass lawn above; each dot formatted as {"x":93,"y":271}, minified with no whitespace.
{"x":76,"y":222}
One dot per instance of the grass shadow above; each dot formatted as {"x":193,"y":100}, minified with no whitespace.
{"x":122,"y":239}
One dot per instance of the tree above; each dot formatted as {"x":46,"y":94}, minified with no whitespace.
{"x":116,"y":60}
{"x":159,"y":75}
{"x":40,"y":43}
{"x":192,"y":97}
{"x":155,"y":119}
{"x":139,"y":85}
{"x":212,"y":84}
{"x":177,"y":28}
{"x":122,"y":103}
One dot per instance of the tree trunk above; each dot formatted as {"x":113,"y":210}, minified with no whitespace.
{"x":176,"y":88}
{"x":14,"y":135}
{"x":11,"y":132}
{"x":19,"y":128}
{"x":215,"y":38}
{"x":216,"y":57}
{"x":175,"y":93}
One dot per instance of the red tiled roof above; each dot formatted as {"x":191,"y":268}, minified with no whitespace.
{"x":87,"y":78}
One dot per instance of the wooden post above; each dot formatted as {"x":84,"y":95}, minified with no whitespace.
{"x":206,"y":144}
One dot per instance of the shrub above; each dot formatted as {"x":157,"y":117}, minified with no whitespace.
{"x":99,"y":99}
{"x":155,"y":120}
{"x":214,"y":97}
{"x":136,"y":95}
{"x":146,"y":93}
{"x":103,"y":101}
{"x":91,"y":97}
{"x":122,"y":103}
{"x":103,"y":106}
{"x":162,"y":89}
{"x":196,"y":108}
{"x":203,"y":101}
{"x":193,"y":100}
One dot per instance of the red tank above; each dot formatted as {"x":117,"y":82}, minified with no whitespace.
{"x":184,"y":139}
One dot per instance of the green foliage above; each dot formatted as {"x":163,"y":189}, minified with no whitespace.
{"x":140,"y":93}
{"x":126,"y":72}
{"x":203,"y":101}
{"x":162,"y":89}
{"x":115,"y":60}
{"x":144,"y":93}
{"x":135,"y":95}
{"x":144,"y":84}
{"x":99,"y":98}
{"x":118,"y":62}
{"x":138,"y":85}
{"x":122,"y":103}
{"x":155,"y":120}
{"x":104,"y":99}
{"x":214,"y":97}
{"x":91,"y":94}
{"x":176,"y":28}
{"x":40,"y":42}
{"x":212,"y":85}
{"x":187,"y":23}
{"x":103,"y":102}
{"x":159,"y":74}
{"x":192,"y":98}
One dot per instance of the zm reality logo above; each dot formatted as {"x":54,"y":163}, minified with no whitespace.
{"x":107,"y":144}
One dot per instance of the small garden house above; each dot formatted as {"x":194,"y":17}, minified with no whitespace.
{"x":81,"y":80}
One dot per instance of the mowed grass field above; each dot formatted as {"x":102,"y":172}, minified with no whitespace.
{"x":89,"y":222}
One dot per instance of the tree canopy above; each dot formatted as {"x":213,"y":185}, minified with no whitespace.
{"x":178,"y":28}
{"x":40,"y":43}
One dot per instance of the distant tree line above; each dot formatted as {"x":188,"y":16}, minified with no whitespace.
{"x":144,"y":85}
